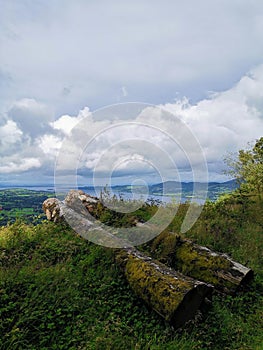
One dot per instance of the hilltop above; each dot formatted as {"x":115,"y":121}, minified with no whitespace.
{"x":60,"y":291}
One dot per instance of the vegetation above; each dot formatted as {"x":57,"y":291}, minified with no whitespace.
{"x":18,"y":202}
{"x":247,"y":168}
{"x":27,"y":204}
{"x":58,"y":291}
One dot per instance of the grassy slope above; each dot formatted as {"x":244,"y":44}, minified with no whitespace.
{"x":58,"y":291}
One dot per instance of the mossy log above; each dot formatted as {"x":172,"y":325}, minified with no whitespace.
{"x":181,"y":254}
{"x":199,"y":262}
{"x":172,"y":295}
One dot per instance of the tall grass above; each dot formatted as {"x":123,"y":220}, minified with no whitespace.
{"x":58,"y":291}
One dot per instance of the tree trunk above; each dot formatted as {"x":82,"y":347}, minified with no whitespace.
{"x":172,"y":295}
{"x":199,"y":262}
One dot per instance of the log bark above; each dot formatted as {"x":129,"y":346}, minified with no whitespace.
{"x":193,"y":260}
{"x":172,"y":295}
{"x":75,"y":213}
{"x":175,"y":291}
{"x":199,"y":262}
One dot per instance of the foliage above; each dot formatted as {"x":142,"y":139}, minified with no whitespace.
{"x":247,"y":168}
{"x":61,"y":292}
{"x":123,"y":213}
{"x":18,"y":202}
{"x":58,"y":291}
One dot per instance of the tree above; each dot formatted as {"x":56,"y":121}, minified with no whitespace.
{"x":247,"y":168}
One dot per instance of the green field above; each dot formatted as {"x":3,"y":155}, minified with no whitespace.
{"x":22,"y":203}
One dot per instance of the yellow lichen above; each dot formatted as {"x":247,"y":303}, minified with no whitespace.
{"x":192,"y":260}
{"x":163,"y":292}
{"x":200,"y":264}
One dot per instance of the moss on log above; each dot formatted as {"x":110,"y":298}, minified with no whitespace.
{"x":201,"y":263}
{"x":176,"y":296}
{"x":172,"y":295}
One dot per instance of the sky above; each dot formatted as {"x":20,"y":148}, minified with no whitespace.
{"x":179,"y":77}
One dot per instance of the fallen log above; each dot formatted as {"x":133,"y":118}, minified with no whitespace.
{"x":199,"y":262}
{"x":180,"y":254}
{"x":80,"y":220}
{"x":172,"y":295}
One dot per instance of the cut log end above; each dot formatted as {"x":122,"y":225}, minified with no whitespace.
{"x":199,"y":262}
{"x":172,"y":295}
{"x":176,"y":296}
{"x":191,"y":302}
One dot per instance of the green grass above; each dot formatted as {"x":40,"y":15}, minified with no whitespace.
{"x":58,"y":291}
{"x":21,"y":203}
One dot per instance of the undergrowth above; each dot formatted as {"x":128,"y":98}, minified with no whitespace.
{"x":58,"y":291}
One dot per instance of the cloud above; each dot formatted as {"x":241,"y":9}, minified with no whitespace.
{"x":20,"y":166}
{"x":124,"y":91}
{"x":55,"y":60}
{"x":228,"y":120}
{"x":65,"y":123}
{"x":50,"y":144}
{"x":22,"y":137}
{"x":31,"y":116}
{"x":153,"y":49}
{"x":223,"y":123}
{"x":138,"y":140}
{"x":10,"y":135}
{"x":231,"y":118}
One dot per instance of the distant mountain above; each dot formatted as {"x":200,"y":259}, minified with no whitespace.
{"x":184,"y":189}
{"x":175,"y":189}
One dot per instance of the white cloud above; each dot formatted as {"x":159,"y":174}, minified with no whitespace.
{"x":65,"y":123}
{"x":31,"y":116}
{"x":104,"y":140}
{"x":146,"y":51}
{"x":153,"y":49}
{"x":20,"y":166}
{"x":228,"y":120}
{"x":50,"y":145}
{"x":9,"y":134}
{"x":21,"y":137}
{"x":225,"y":122}
{"x":120,"y":146}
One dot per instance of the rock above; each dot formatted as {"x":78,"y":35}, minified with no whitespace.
{"x":51,"y":208}
{"x":81,"y":201}
{"x":76,"y":200}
